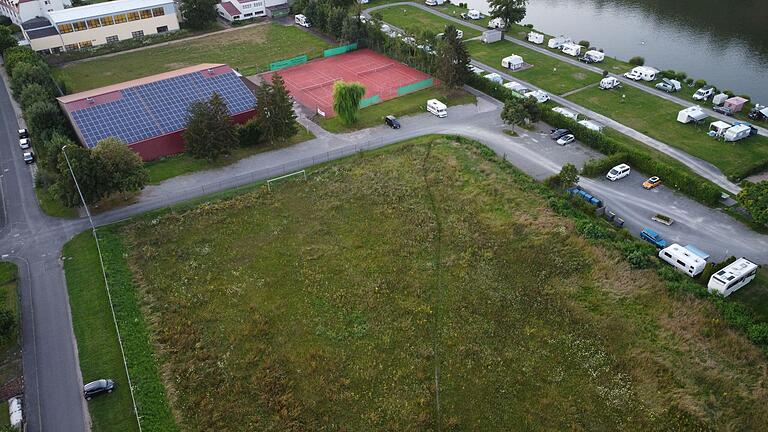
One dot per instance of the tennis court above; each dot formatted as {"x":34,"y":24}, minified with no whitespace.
{"x":311,"y":84}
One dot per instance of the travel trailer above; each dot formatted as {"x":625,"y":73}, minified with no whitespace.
{"x":571,"y":49}
{"x":513,"y":62}
{"x":683,"y":259}
{"x":434,"y":2}
{"x":691,"y":114}
{"x":644,"y":73}
{"x":494,"y":77}
{"x":592,"y":125}
{"x":595,"y":55}
{"x":474,"y":14}
{"x":719,"y":99}
{"x":718,"y":128}
{"x":491,"y":36}
{"x":517,"y":87}
{"x":540,"y":96}
{"x":728,"y":280}
{"x":497,"y":23}
{"x":737,"y":132}
{"x":536,"y":38}
{"x":302,"y":21}
{"x":566,"y":113}
{"x":608,"y":83}
{"x":558,"y":42}
{"x":437,"y":108}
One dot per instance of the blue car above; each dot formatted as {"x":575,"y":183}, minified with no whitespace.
{"x":653,"y":238}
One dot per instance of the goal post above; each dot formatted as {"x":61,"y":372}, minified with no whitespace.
{"x":302,"y":173}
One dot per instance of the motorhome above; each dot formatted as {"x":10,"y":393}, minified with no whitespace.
{"x":571,"y":49}
{"x":691,"y":114}
{"x":301,"y":20}
{"x":704,"y":93}
{"x":513,"y":62}
{"x":644,"y":73}
{"x":728,"y":280}
{"x":683,"y":259}
{"x":737,"y":132}
{"x":566,"y":113}
{"x":595,"y":55}
{"x":494,"y":77}
{"x":558,"y":42}
{"x":491,"y":36}
{"x":437,"y":108}
{"x":718,"y":128}
{"x":536,"y":38}
{"x":497,"y":23}
{"x":609,"y":83}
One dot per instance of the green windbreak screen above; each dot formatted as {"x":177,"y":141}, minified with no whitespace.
{"x":288,"y":62}
{"x":340,"y":50}
{"x":410,"y":88}
{"x":370,"y":101}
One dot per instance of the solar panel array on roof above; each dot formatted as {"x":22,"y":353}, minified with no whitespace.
{"x":159,"y":108}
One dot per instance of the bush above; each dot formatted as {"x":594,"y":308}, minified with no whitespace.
{"x":585,"y":43}
{"x":249,"y":133}
{"x":729,"y":92}
{"x":605,"y":73}
{"x":669,"y":74}
{"x":700,"y":83}
{"x":681,"y":76}
{"x":7,"y":323}
{"x":593,"y":230}
{"x":689,"y":81}
{"x":596,"y":167}
{"x":637,"y":61}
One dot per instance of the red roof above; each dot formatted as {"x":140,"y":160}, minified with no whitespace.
{"x":231,"y":9}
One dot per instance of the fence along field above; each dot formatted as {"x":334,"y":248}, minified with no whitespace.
{"x":315,"y":306}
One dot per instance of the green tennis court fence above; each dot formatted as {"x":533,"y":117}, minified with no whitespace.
{"x":410,"y":88}
{"x":288,"y":62}
{"x":370,"y":101}
{"x":340,"y":50}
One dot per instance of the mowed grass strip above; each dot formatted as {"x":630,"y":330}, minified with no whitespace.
{"x":97,"y":343}
{"x":413,"y":19}
{"x":10,"y":351}
{"x":657,"y":118}
{"x":249,"y":50}
{"x":547,"y":72}
{"x":412,"y":103}
{"x":327,"y":303}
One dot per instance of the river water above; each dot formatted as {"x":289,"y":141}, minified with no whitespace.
{"x":722,"y":41}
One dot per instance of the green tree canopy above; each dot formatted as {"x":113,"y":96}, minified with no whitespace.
{"x":33,"y":93}
{"x":754,"y":198}
{"x":209,"y":132}
{"x":25,"y":74}
{"x":44,"y":116}
{"x":6,"y":39}
{"x":346,"y":100}
{"x":511,"y":11}
{"x":274,"y":110}
{"x":452,"y":59}
{"x":514,"y":113}
{"x":569,"y":175}
{"x":20,"y":54}
{"x":199,"y":14}
{"x":120,"y":168}
{"x":86,"y":168}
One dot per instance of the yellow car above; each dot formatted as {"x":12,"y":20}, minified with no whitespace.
{"x":652,"y":182}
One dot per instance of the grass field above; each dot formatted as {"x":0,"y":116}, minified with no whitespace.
{"x":413,"y":19}
{"x":423,"y":254}
{"x":172,"y":166}
{"x":755,"y":295}
{"x":250,"y":50}
{"x":656,"y":118}
{"x":10,"y":351}
{"x":401,"y":106}
{"x":548,"y":73}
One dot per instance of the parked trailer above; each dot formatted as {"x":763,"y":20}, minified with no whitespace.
{"x":558,"y":42}
{"x":513,"y":62}
{"x":536,"y":38}
{"x":572,"y":49}
{"x":737,"y":132}
{"x":497,"y":23}
{"x":728,"y":280}
{"x":491,"y":36}
{"x":683,"y":259}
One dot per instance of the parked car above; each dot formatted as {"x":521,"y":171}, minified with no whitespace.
{"x":669,"y":85}
{"x":566,"y":139}
{"x":653,"y":238}
{"x":29,"y":157}
{"x":588,"y":59}
{"x":556,"y":134}
{"x":652,"y":182}
{"x":98,"y":387}
{"x":704,"y":93}
{"x":723,"y":110}
{"x":618,"y":172}
{"x":392,"y":122}
{"x":23,"y":133}
{"x":24,"y":143}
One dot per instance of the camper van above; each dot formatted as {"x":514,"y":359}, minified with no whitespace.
{"x":513,"y":62}
{"x":644,"y":73}
{"x":558,"y":42}
{"x":302,"y":21}
{"x":691,"y":114}
{"x":566,"y":113}
{"x":474,"y":14}
{"x":536,"y":38}
{"x":608,"y":83}
{"x":683,"y":259}
{"x":437,"y":108}
{"x":497,"y":23}
{"x":618,"y":172}
{"x":737,"y":132}
{"x":571,"y":49}
{"x":728,"y":280}
{"x":704,"y":93}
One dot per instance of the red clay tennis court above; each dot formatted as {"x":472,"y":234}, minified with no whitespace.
{"x":311,"y":84}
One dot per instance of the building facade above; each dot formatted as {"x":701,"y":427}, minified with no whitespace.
{"x":237,"y":10}
{"x":20,"y":11}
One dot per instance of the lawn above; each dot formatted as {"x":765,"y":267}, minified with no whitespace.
{"x":413,"y":19}
{"x":172,"y":166}
{"x":656,"y":118}
{"x":548,"y":73}
{"x":401,"y":106}
{"x":51,"y":205}
{"x":754,"y":296}
{"x":249,"y":50}
{"x":10,"y":351}
{"x":330,"y":304}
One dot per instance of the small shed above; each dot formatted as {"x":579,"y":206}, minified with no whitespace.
{"x":735,"y":103}
{"x":512,"y":62}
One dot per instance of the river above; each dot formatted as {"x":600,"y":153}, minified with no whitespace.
{"x":722,"y":41}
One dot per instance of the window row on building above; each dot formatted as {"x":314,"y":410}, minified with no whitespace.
{"x":110,"y":20}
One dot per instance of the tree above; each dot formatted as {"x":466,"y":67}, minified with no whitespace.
{"x":569,"y":175}
{"x":7,"y":322}
{"x":514,"y":113}
{"x":86,"y":169}
{"x":120,"y":168}
{"x":637,"y":61}
{"x":511,"y":11}
{"x":25,"y":74}
{"x":6,"y":39}
{"x":51,"y":151}
{"x":346,"y":100}
{"x":283,"y":117}
{"x":336,"y":19}
{"x":199,"y":14}
{"x":20,"y":54}
{"x":353,"y":30}
{"x":452,"y":59}
{"x":754,"y":198}
{"x":249,"y":133}
{"x":315,"y":14}
{"x":33,"y":93}
{"x":209,"y":132}
{"x":532,"y":108}
{"x":44,"y":116}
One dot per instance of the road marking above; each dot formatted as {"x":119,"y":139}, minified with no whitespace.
{"x":534,"y":140}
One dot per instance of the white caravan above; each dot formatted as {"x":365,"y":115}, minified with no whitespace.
{"x":737,"y":132}
{"x":718,"y":128}
{"x":591,"y":125}
{"x":728,"y":280}
{"x":558,"y":42}
{"x":434,"y":2}
{"x":536,"y":38}
{"x":644,"y":73}
{"x":497,"y":23}
{"x":513,"y":62}
{"x":437,"y":108}
{"x":595,"y":55}
{"x":302,"y":21}
{"x":683,"y":259}
{"x":494,"y":77}
{"x":691,"y":114}
{"x":572,"y":49}
{"x":540,"y":96}
{"x":566,"y":113}
{"x":474,"y":14}
{"x":608,"y":83}
{"x":719,"y":99}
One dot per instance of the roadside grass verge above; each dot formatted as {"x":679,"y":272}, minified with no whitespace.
{"x":377,"y":251}
{"x":656,"y":118}
{"x":548,"y":73}
{"x":754,"y":296}
{"x":413,"y":19}
{"x":51,"y":205}
{"x":97,"y":343}
{"x":10,"y":351}
{"x":408,"y":104}
{"x":249,"y":50}
{"x":176,"y":165}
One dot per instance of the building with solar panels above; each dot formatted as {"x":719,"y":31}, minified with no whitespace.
{"x":149,"y":114}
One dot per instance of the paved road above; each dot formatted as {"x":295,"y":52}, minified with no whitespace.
{"x":597,"y":69}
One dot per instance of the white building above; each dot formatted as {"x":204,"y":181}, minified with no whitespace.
{"x":20,"y":11}
{"x":68,"y":29}
{"x":236,"y":10}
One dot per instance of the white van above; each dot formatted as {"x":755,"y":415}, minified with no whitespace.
{"x":728,"y":280}
{"x":683,"y":259}
{"x":618,"y":172}
{"x":302,"y":21}
{"x":437,"y":108}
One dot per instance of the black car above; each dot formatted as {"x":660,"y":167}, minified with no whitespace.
{"x":723,"y":110}
{"x":23,"y":133}
{"x":587,"y":59}
{"x":556,"y":134}
{"x":98,"y":387}
{"x":392,"y":122}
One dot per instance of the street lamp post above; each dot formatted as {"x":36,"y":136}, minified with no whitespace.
{"x":79,"y":192}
